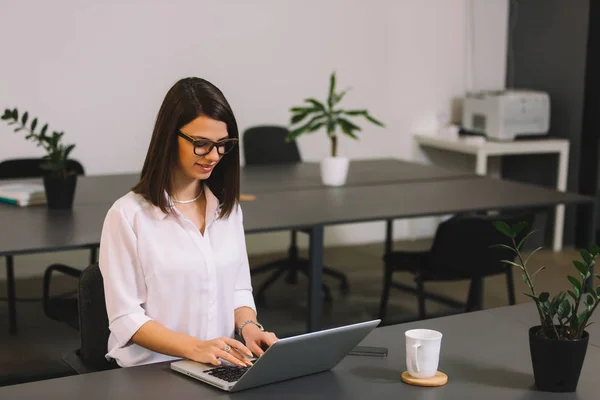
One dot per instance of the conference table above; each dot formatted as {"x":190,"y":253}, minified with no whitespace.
{"x":485,"y":357}
{"x":293,"y":198}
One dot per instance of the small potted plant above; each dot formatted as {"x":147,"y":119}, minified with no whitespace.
{"x":317,"y":115}
{"x":559,"y":343}
{"x":59,"y":182}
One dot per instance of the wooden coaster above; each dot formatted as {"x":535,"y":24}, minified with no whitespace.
{"x":247,"y":197}
{"x":440,"y":379}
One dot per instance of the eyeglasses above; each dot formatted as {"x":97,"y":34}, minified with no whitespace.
{"x":203,"y":146}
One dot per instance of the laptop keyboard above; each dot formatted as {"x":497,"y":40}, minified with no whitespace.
{"x":228,"y":373}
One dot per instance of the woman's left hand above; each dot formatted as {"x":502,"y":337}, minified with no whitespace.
{"x":256,"y":339}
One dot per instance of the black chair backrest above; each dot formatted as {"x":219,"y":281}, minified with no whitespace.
{"x":30,"y":168}
{"x":265,"y":145}
{"x":462,"y":245}
{"x":93,"y":320}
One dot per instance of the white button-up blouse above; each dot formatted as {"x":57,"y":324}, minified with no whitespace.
{"x":158,"y":266}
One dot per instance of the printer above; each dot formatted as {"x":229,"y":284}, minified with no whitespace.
{"x":504,"y":115}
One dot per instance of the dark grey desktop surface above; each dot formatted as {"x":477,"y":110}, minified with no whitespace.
{"x":39,"y":229}
{"x":484,"y":356}
{"x":279,"y":178}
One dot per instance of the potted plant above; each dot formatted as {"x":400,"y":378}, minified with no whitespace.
{"x":59,"y":182}
{"x":559,"y":343}
{"x":317,"y":115}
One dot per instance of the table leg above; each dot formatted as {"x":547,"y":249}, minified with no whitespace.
{"x":315,"y":295}
{"x":12,"y":298}
{"x":389,"y":235}
{"x":481,"y":163}
{"x":561,"y":185}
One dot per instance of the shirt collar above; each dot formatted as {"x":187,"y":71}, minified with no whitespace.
{"x":212,"y":206}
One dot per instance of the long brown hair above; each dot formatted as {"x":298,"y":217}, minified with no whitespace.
{"x":188,"y":99}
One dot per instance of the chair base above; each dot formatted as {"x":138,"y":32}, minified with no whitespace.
{"x":291,"y":267}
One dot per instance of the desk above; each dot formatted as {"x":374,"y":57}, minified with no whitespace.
{"x":496,"y":366}
{"x":486,"y":149}
{"x":38,"y":229}
{"x":281,"y":178}
{"x":60,"y":230}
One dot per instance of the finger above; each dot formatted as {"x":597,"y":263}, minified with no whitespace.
{"x":229,"y":357}
{"x":236,"y":344}
{"x":270,"y":338}
{"x":256,"y":349}
{"x":240,"y":356}
{"x":214,"y":360}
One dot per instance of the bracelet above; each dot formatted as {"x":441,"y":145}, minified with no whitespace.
{"x":249,"y":322}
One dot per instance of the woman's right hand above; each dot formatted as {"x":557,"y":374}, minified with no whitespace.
{"x":209,"y":351}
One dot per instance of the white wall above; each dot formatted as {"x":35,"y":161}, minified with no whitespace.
{"x":99,"y":71}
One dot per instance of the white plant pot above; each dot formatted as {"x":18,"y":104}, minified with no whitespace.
{"x":334,"y":170}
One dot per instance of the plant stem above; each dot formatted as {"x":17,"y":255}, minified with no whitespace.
{"x":581,"y":328}
{"x":333,"y":146}
{"x":530,"y":283}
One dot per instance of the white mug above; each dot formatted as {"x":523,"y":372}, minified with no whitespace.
{"x":422,"y":352}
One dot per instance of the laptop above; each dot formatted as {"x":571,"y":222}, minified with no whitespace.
{"x":287,"y":358}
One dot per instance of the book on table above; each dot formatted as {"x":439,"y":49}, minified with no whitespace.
{"x":23,"y":194}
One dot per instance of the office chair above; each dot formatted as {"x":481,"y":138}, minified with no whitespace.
{"x":93,"y":325}
{"x":58,"y":308}
{"x":266,"y":145}
{"x":460,"y":251}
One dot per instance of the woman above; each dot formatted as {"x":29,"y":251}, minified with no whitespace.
{"x":172,"y":252}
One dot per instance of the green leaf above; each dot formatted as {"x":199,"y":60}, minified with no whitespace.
{"x":34,"y":124}
{"x":355,"y":112}
{"x":44,"y":129}
{"x":587,"y":257}
{"x":299,"y":117}
{"x":7,"y":114}
{"x":373,"y":120}
{"x":304,"y":128}
{"x":24,"y":118}
{"x":598,"y":291}
{"x":15,"y":114}
{"x":532,"y":297}
{"x":543,"y":297}
{"x":531,"y":254}
{"x":564,"y":309}
{"x":316,"y":103}
{"x":594,"y":248}
{"x":503,"y":246}
{"x":68,"y":151}
{"x":573,"y":295}
{"x":525,"y":238}
{"x":581,"y":267}
{"x":330,"y":98}
{"x":524,"y":277}
{"x":348,"y":127}
{"x":514,"y":264}
{"x":589,"y":300}
{"x":518,"y":228}
{"x":340,"y":96}
{"x":575,"y":282}
{"x":503,"y":228}
{"x":536,"y":272}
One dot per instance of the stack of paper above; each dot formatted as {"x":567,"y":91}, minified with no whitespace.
{"x":22,"y":194}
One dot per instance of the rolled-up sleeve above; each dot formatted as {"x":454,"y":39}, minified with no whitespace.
{"x":124,"y":284}
{"x":243,"y":286}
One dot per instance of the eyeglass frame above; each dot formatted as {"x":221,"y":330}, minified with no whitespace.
{"x":212,"y":144}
